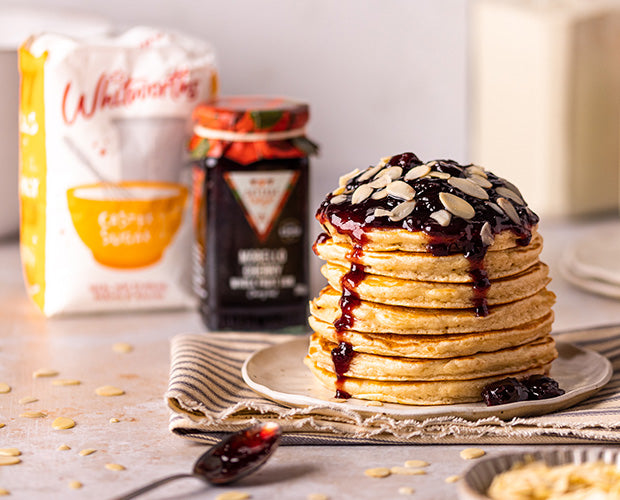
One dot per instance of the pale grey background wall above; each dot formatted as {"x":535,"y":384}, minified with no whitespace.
{"x":381,"y":77}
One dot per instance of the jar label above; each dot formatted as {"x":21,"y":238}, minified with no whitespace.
{"x":262,"y":195}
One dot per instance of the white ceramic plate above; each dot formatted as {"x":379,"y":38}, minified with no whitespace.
{"x":278,"y":373}
{"x":478,"y":478}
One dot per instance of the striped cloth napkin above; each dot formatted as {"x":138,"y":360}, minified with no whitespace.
{"x":208,"y":397}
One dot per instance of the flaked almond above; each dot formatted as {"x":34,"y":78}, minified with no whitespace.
{"x":380,"y":182}
{"x":373,"y":403}
{"x":486,"y":234}
{"x":65,"y":382}
{"x":468,"y":187}
{"x":406,"y":490}
{"x":361,"y":193}
{"x":27,"y":400}
{"x":87,"y":451}
{"x":4,"y":388}
{"x":109,"y":390}
{"x":379,"y":195}
{"x":441,"y":217}
{"x":370,"y":172}
{"x":393,"y":172}
{"x":401,"y":211}
{"x":114,"y":420}
{"x":407,"y":471}
{"x":457,"y":206}
{"x":335,"y":192}
{"x":233,"y":495}
{"x":476,"y":170}
{"x":337,"y":200}
{"x":33,"y":414}
{"x":509,"y":209}
{"x":10,"y":452}
{"x":510,"y":194}
{"x":417,"y":172}
{"x":44,"y":372}
{"x":471,"y":453}
{"x":62,"y":423}
{"x":452,"y":479}
{"x":481,"y":181}
{"x":495,"y":207}
{"x":377,"y":472}
{"x":431,"y":163}
{"x":416,"y":463}
{"x":75,"y":485}
{"x":317,"y":496}
{"x":382,"y":212}
{"x":512,"y":187}
{"x":401,"y":190}
{"x":440,"y":175}
{"x":343,"y":180}
{"x":116,"y":467}
{"x":63,"y":447}
{"x":9,"y":460}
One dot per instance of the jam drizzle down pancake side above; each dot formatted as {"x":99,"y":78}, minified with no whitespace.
{"x":460,"y":209}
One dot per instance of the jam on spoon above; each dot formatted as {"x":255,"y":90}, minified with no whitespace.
{"x":229,"y":460}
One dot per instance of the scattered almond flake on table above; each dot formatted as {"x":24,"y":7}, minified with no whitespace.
{"x":407,"y":471}
{"x":61,"y":423}
{"x":114,"y":420}
{"x":33,"y":414}
{"x":2,"y":425}
{"x":452,"y":479}
{"x":28,"y":400}
{"x":4,"y":388}
{"x":233,"y":495}
{"x":406,"y":490}
{"x":66,"y":381}
{"x":373,"y":403}
{"x":317,"y":496}
{"x":114,"y":467}
{"x":10,"y":452}
{"x":4,"y":492}
{"x":44,"y":372}
{"x":75,"y":485}
{"x":416,"y":463}
{"x":87,"y":451}
{"x":63,"y":447}
{"x":9,"y":460}
{"x":377,"y":472}
{"x":471,"y":453}
{"x":122,"y":347}
{"x":109,"y":390}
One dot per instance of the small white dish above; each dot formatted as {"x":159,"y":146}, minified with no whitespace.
{"x":479,"y":476}
{"x":278,"y":373}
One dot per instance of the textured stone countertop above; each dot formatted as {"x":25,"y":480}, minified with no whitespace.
{"x":80,"y":348}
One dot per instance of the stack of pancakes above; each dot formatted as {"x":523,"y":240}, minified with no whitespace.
{"x":429,"y":299}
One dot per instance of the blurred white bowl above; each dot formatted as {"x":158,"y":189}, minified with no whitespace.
{"x":16,"y":25}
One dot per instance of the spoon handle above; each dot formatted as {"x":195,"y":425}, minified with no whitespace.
{"x":156,"y":484}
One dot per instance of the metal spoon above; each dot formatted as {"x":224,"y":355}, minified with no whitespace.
{"x":229,"y":460}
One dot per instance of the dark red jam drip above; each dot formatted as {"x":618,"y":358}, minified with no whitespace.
{"x":459,"y":236}
{"x":349,"y":300}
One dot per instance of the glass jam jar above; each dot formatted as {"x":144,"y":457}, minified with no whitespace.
{"x":250,"y":195}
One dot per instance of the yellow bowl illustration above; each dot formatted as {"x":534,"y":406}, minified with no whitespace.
{"x":129,"y":224}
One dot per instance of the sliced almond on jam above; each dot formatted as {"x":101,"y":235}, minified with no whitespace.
{"x":510,"y":194}
{"x":509,"y":208}
{"x":338,"y":190}
{"x":337,"y":200}
{"x":481,"y":181}
{"x":475,"y":170}
{"x":393,"y":172}
{"x":382,"y":212}
{"x":403,"y":210}
{"x":440,"y":175}
{"x":379,"y":195}
{"x":380,"y":182}
{"x":417,"y":172}
{"x":468,"y":187}
{"x":343,"y":180}
{"x":441,"y":217}
{"x":361,"y":193}
{"x":457,"y":206}
{"x":370,"y":172}
{"x":486,"y":235}
{"x":401,"y":190}
{"x":495,"y":207}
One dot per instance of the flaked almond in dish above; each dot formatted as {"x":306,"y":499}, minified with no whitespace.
{"x":435,"y":287}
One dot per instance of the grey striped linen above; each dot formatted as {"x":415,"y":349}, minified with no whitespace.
{"x":208,"y":397}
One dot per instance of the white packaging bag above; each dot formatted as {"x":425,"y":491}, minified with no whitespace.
{"x":105,"y":208}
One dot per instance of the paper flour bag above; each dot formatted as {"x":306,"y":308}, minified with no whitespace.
{"x":104,"y":206}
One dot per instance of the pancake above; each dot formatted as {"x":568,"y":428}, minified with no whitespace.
{"x":375,"y":318}
{"x":435,"y":346}
{"x":435,"y":286}
{"x":410,"y":293}
{"x":392,"y":368}
{"x":423,"y":266}
{"x":414,"y":392}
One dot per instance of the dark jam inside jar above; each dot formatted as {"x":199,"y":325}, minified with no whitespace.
{"x":494,"y":206}
{"x":253,"y":273}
